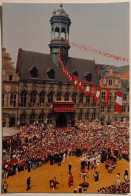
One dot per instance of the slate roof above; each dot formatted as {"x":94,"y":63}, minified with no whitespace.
{"x":82,"y":66}
{"x":124,"y":85}
{"x":28,"y":59}
{"x":105,"y":68}
{"x":42,"y":62}
{"x":122,"y":69}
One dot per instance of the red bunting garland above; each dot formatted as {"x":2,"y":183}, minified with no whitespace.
{"x":86,"y":48}
{"x":80,"y":84}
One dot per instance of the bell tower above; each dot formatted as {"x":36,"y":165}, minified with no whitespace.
{"x":60,"y":23}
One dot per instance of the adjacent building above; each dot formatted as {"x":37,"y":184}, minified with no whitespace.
{"x":116,"y":79}
{"x":9,"y":91}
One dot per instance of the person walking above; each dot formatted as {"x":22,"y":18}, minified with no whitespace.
{"x":126,"y":175}
{"x":28,"y":183}
{"x":55,"y":182}
{"x":5,"y":186}
{"x":75,"y":191}
{"x":70,"y":166}
{"x":70,"y":181}
{"x":118,"y":178}
{"x":97,"y":177}
{"x":79,"y":189}
{"x":88,"y":163}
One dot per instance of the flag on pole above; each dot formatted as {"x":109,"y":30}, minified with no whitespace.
{"x":107,"y":96}
{"x":119,"y":102}
{"x":88,"y":89}
{"x":97,"y":94}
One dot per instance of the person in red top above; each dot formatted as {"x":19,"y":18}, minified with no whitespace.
{"x":55,"y":182}
{"x":70,"y":181}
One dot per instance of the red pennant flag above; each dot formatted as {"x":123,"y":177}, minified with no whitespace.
{"x":80,"y":83}
{"x":97,"y":94}
{"x":64,"y":70}
{"x":88,"y":89}
{"x":68,"y":75}
{"x":75,"y":78}
{"x":81,"y":86}
{"x":76,"y":83}
{"x":71,"y":78}
{"x":99,"y":52}
{"x":107,"y":96}
{"x":119,"y":102}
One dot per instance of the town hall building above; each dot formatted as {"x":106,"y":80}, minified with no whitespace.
{"x":43,"y":93}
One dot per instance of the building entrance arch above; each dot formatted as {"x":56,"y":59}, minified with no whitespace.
{"x":12,"y":121}
{"x":61,"y":120}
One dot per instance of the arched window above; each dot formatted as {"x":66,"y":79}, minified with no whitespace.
{"x":63,"y":33}
{"x":66,"y":96}
{"x":74,"y":97}
{"x":41,"y":118}
{"x":58,"y":98}
{"x":33,"y":97}
{"x":3,"y":99}
{"x":50,"y":97}
{"x":23,"y":98}
{"x":42,"y":98}
{"x":57,"y":32}
{"x":49,"y":118}
{"x":13,"y":100}
{"x":80,"y":116}
{"x":23,"y":119}
{"x":102,"y":120}
{"x":32,"y":118}
{"x":87,"y":116}
{"x":93,"y":116}
{"x":81,"y":98}
{"x":88,"y":100}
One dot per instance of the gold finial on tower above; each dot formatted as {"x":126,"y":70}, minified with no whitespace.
{"x":61,"y":5}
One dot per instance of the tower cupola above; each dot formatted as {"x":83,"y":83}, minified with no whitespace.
{"x":60,"y":23}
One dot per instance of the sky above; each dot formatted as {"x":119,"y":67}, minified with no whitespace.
{"x":102,"y":26}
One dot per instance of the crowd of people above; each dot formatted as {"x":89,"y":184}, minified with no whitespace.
{"x":123,"y":187}
{"x":36,"y":145}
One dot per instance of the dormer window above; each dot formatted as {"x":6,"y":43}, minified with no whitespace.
{"x":75,"y":73}
{"x":88,"y":76}
{"x":10,"y":77}
{"x":33,"y":72}
{"x":51,"y":73}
